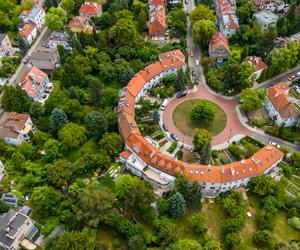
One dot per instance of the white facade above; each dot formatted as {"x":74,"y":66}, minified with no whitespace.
{"x":36,"y":14}
{"x":276,"y":117}
{"x":31,"y":36}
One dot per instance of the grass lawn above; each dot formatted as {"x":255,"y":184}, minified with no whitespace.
{"x":214,"y":219}
{"x":282,"y":231}
{"x":111,"y":239}
{"x":183,"y":121}
{"x":90,"y":145}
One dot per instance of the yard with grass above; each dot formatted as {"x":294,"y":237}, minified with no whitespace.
{"x":182,"y":119}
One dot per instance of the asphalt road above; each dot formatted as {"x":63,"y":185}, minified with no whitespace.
{"x":40,"y":41}
{"x":200,"y":79}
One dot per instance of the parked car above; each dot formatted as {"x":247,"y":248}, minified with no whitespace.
{"x":181,"y":94}
{"x":291,"y":78}
{"x":297,"y":74}
{"x":165,"y":128}
{"x":297,"y":88}
{"x":174,"y":137}
{"x":197,"y":62}
{"x":191,"y":53}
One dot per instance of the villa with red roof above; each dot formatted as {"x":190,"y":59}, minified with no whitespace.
{"x":218,"y":47}
{"x":15,"y":128}
{"x":281,"y":109}
{"x":80,"y":24}
{"x":34,"y":83}
{"x":90,"y":9}
{"x":28,"y":31}
{"x":145,"y":160}
{"x":157,"y":19}
{"x":258,"y":64}
{"x":227,"y":19}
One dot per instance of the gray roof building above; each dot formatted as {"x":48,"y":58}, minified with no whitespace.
{"x":14,"y":227}
{"x":46,"y":59}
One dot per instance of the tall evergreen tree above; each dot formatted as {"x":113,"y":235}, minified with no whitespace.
{"x":58,"y":119}
{"x":176,"y":205}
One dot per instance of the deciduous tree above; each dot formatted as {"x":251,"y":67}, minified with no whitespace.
{"x":56,"y":18}
{"x":73,"y":135}
{"x":203,"y":30}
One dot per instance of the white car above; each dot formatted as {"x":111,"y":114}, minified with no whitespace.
{"x":197,"y":62}
{"x":297,"y":74}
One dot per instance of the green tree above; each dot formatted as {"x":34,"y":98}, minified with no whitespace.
{"x":252,"y":99}
{"x":39,"y":138}
{"x":203,"y":30}
{"x":76,"y":240}
{"x":202,"y":12}
{"x":36,"y":110}
{"x":96,"y":124}
{"x":60,"y":173}
{"x":127,"y":75}
{"x":245,"y":11}
{"x":194,"y":194}
{"x":58,"y":119}
{"x":212,"y":245}
{"x":232,"y":239}
{"x":73,"y":135}
{"x":205,"y":153}
{"x":262,"y":238}
{"x":263,"y":185}
{"x":294,"y":222}
{"x":3,"y":207}
{"x":176,"y":205}
{"x":203,"y":110}
{"x":15,"y":99}
{"x":164,"y":231}
{"x":56,"y":18}
{"x":184,"y":244}
{"x":53,"y":150}
{"x":136,"y":242}
{"x":46,"y":201}
{"x":123,"y":33}
{"x":135,"y":195}
{"x":177,"y":23}
{"x":68,"y":6}
{"x":93,"y":204}
{"x":111,"y":144}
{"x":198,"y":223}
{"x":201,"y":138}
{"x":179,"y":85}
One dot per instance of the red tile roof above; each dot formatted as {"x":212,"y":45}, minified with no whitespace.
{"x":32,"y":79}
{"x":256,"y":62}
{"x":277,"y":95}
{"x":11,"y":123}
{"x":90,"y":8}
{"x":125,"y":154}
{"x":78,"y":22}
{"x":27,"y":29}
{"x":257,"y":164}
{"x":157,"y":18}
{"x":218,"y":40}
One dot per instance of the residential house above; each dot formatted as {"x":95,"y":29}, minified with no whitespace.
{"x":265,"y":18}
{"x":258,"y":64}
{"x":15,"y":128}
{"x":271,"y":5}
{"x":80,"y":24}
{"x":35,"y":83}
{"x":280,"y":107}
{"x":10,"y":199}
{"x":46,"y":59}
{"x":90,"y":9}
{"x":16,"y":227}
{"x":5,"y":45}
{"x":28,"y":31}
{"x":218,"y":47}
{"x":226,"y":14}
{"x":157,"y":20}
{"x":36,"y":15}
{"x":59,"y":38}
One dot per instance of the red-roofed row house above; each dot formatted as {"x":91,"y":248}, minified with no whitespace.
{"x":157,"y":19}
{"x":143,"y":159}
{"x":258,"y":64}
{"x":280,"y":107}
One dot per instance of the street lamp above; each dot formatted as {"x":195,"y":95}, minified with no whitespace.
{"x":229,"y":135}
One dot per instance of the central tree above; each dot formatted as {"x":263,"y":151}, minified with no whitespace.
{"x":203,"y":111}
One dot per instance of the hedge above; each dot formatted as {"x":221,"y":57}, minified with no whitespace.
{"x":172,"y":147}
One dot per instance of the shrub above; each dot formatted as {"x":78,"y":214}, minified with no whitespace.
{"x":172,"y":147}
{"x":179,"y":154}
{"x":236,"y":151}
{"x":262,"y":238}
{"x":294,"y":222}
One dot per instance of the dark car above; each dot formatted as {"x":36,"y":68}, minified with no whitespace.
{"x":181,"y":94}
{"x":165,"y":127}
{"x":174,"y":137}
